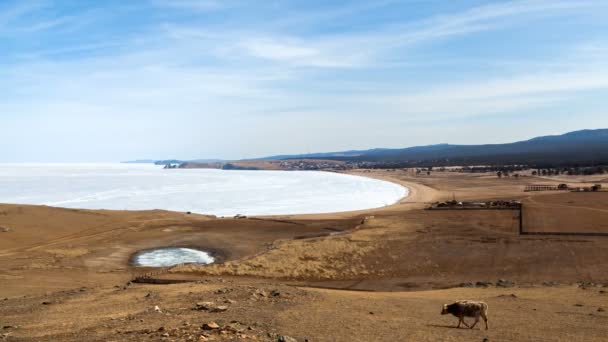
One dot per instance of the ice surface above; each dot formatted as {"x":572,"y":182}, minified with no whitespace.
{"x":216,"y":192}
{"x":164,"y":257}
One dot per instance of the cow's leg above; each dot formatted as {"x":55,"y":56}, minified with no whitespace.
{"x":476,"y":321}
{"x":485,"y":319}
{"x":463,"y":322}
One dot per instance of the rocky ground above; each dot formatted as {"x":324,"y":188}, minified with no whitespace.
{"x":218,"y":309}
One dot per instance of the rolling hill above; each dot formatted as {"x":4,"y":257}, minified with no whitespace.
{"x":585,"y":147}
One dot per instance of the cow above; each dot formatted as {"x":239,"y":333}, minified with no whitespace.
{"x":467,"y":308}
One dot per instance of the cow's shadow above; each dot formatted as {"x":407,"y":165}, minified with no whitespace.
{"x":445,"y":326}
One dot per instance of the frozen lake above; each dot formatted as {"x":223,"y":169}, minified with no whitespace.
{"x":216,"y":192}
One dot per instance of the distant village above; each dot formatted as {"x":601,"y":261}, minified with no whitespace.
{"x":502,"y":171}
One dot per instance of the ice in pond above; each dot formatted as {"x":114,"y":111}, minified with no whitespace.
{"x":164,"y":257}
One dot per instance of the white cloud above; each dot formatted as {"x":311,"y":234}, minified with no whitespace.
{"x":196,"y":5}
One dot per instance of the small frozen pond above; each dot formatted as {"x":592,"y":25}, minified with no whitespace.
{"x":163,"y":257}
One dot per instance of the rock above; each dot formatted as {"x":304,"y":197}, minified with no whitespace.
{"x":221,"y":308}
{"x":585,"y":284}
{"x":5,"y":229}
{"x":165,"y":335}
{"x":157,"y":309}
{"x":261,"y":293}
{"x":512,"y":295}
{"x":284,"y":338}
{"x":230,"y":301}
{"x":275,"y":293}
{"x":578,"y":304}
{"x":204,"y":306}
{"x":505,"y":283}
{"x":601,"y":310}
{"x":469,"y":284}
{"x":46,"y":303}
{"x":161,"y":329}
{"x":223,"y":291}
{"x":484,"y":283}
{"x":210,"y":306}
{"x":210,"y":326}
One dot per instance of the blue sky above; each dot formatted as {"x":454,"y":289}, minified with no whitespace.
{"x":119,"y":80}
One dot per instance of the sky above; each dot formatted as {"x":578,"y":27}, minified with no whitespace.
{"x":97,"y":81}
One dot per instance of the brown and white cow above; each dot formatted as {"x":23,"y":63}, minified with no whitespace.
{"x":467,"y":308}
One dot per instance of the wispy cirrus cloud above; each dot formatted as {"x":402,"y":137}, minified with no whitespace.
{"x":194,"y":5}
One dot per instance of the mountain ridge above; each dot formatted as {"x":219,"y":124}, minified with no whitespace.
{"x":589,"y":146}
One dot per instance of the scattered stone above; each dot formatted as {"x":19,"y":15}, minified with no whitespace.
{"x":484,"y":284}
{"x":371,"y":312}
{"x":5,"y":229}
{"x":157,"y":309}
{"x":512,"y":295}
{"x":161,"y":329}
{"x":469,"y":284}
{"x":550,"y":283}
{"x":9,"y":327}
{"x":46,"y":303}
{"x":148,"y":295}
{"x":204,"y":306}
{"x":505,"y":283}
{"x":210,"y":326}
{"x":165,"y":335}
{"x":275,"y":293}
{"x":260,"y":293}
{"x":223,"y":291}
{"x":286,"y":339}
{"x":229,"y":301}
{"x":221,"y":308}
{"x":601,"y":310}
{"x":578,"y":304}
